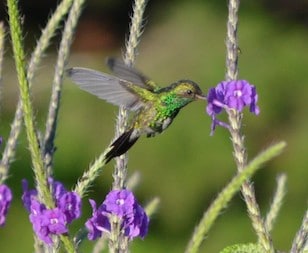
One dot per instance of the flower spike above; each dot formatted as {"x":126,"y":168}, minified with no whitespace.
{"x":235,"y":94}
{"x":123,"y":204}
{"x":47,"y":222}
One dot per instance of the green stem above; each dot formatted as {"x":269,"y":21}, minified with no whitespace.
{"x":47,"y":34}
{"x":42,"y":44}
{"x":152,"y":206}
{"x":19,"y":56}
{"x":277,"y":202}
{"x":68,"y":244}
{"x":91,"y":174}
{"x":235,"y":120}
{"x":227,"y":193}
{"x":2,"y":36}
{"x":300,"y":242}
{"x":51,"y":122}
{"x":3,"y":170}
{"x":135,"y":33}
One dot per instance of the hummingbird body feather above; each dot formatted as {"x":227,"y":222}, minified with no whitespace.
{"x":121,"y":144}
{"x":154,"y":107}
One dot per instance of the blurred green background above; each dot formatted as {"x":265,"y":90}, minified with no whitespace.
{"x":184,"y":167}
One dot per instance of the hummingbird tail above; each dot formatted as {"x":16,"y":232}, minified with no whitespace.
{"x":122,"y":144}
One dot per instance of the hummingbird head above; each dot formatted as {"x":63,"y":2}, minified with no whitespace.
{"x":188,"y":89}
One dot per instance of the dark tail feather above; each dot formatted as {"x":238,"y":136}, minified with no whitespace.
{"x":121,"y":145}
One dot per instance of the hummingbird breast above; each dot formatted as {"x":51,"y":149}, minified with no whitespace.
{"x":153,"y":120}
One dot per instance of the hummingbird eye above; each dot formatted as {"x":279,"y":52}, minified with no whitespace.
{"x":189,"y":92}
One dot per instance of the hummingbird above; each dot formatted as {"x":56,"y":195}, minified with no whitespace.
{"x":153,"y":107}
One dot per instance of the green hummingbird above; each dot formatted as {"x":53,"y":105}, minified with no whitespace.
{"x":154,"y":107}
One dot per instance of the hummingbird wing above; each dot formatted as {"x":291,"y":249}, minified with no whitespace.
{"x":109,"y":88}
{"x":130,"y":74}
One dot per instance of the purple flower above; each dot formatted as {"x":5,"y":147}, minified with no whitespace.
{"x":58,"y":189}
{"x":122,"y":203}
{"x":55,"y":220}
{"x":5,"y":201}
{"x":98,"y":223}
{"x":137,"y":223}
{"x":235,"y":95}
{"x":37,"y":219}
{"x":70,"y":205}
{"x":47,"y":222}
{"x":27,"y":195}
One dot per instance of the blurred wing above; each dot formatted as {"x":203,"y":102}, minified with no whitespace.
{"x":130,"y":74}
{"x":106,"y":87}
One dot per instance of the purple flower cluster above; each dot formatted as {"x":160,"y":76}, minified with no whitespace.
{"x":235,"y":95}
{"x":47,"y":222}
{"x":123,"y":204}
{"x":5,"y":201}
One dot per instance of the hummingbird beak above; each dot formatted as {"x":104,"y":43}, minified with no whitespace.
{"x":202,"y":97}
